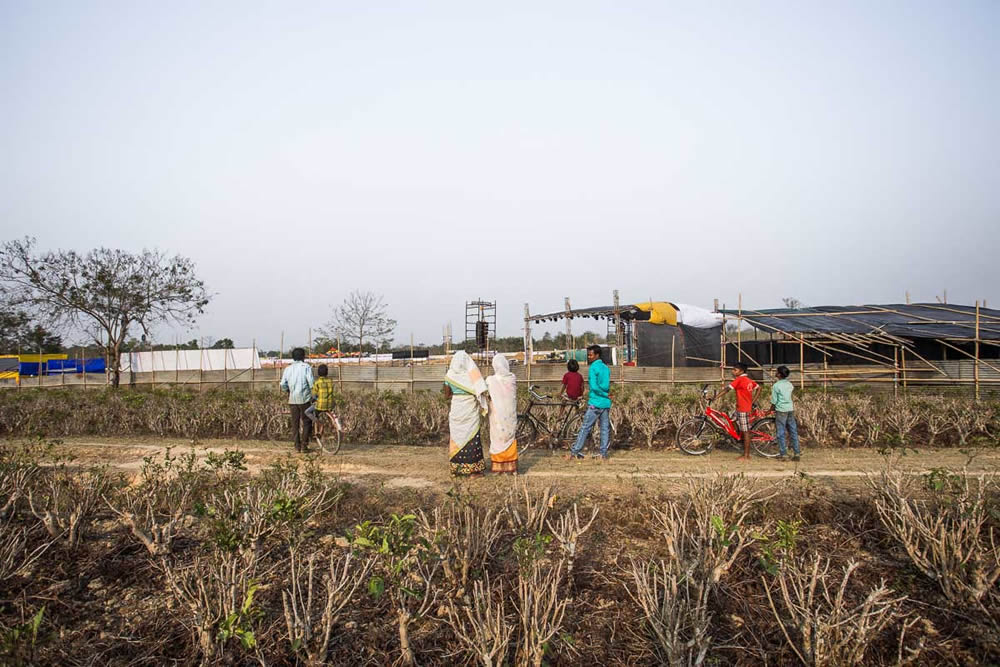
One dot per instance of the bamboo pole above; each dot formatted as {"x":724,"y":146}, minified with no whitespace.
{"x":895,"y":371}
{"x":201,"y":366}
{"x":281,"y":356}
{"x":340,"y":365}
{"x":253,"y":374}
{"x":722,"y":351}
{"x":976,"y":367}
{"x":529,"y":344}
{"x":739,"y":326}
{"x":618,"y":340}
{"x":225,"y":368}
{"x":673,"y":368}
{"x":411,"y":362}
{"x":902,"y":366}
{"x":802,"y":364}
{"x":177,"y":361}
{"x":39,"y":364}
{"x":569,"y":328}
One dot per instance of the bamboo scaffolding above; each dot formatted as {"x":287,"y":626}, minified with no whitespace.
{"x":976,"y":367}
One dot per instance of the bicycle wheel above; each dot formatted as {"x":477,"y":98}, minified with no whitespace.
{"x":763,"y":437}
{"x":277,"y":426}
{"x":327,"y":433}
{"x":593,"y":441}
{"x":526,"y":432}
{"x":696,"y":436}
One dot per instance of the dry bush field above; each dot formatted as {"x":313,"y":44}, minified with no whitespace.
{"x":645,"y":419}
{"x":197,"y":562}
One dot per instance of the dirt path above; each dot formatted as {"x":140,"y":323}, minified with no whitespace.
{"x":401,"y":466}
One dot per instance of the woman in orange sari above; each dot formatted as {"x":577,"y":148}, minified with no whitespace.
{"x":502,"y":386}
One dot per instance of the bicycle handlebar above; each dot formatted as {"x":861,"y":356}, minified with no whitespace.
{"x":531,"y":390}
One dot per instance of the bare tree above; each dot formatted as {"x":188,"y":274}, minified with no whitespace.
{"x":106,"y":292}
{"x":363,"y":316}
{"x":791,"y":302}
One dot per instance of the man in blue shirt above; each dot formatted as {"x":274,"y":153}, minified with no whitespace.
{"x":297,"y":380}
{"x":598,"y":405}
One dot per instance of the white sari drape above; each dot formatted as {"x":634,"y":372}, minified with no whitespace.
{"x":502,"y":386}
{"x":466,"y":409}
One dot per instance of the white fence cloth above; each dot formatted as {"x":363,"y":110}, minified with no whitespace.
{"x":241,"y":358}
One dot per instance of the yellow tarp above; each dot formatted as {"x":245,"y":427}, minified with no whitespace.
{"x":660,"y":312}
{"x":33,"y":358}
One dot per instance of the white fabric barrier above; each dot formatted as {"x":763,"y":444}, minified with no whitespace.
{"x":161,"y":361}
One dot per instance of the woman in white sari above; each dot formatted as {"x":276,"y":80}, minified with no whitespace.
{"x":502,"y":386}
{"x":465,"y":387}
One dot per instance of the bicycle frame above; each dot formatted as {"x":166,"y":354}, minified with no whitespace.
{"x":724,"y":422}
{"x":540,"y":400}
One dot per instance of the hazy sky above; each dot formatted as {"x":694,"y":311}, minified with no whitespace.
{"x":521,"y":151}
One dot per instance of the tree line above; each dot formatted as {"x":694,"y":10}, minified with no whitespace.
{"x":116,"y":299}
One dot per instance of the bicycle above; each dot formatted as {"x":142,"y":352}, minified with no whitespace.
{"x":699,"y":434}
{"x":528,"y":425}
{"x":327,"y":430}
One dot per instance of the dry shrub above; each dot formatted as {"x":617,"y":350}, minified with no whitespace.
{"x":483,"y":627}
{"x":405,"y":570}
{"x":703,"y":535}
{"x":950,"y":537}
{"x":242,"y":518}
{"x":827,"y":628}
{"x":15,"y":554}
{"x":648,"y":414}
{"x":568,"y":530}
{"x":66,"y":503}
{"x":902,"y":417}
{"x":15,"y":480}
{"x":541,"y":607}
{"x":312,"y":607}
{"x":464,"y":537}
{"x":153,"y":516}
{"x":369,"y":417}
{"x":217,"y":592}
{"x":526,"y":512}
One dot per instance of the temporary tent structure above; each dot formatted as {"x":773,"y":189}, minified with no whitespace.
{"x":657,"y":333}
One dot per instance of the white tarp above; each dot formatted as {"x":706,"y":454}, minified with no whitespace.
{"x":240,"y":358}
{"x":696,"y":317}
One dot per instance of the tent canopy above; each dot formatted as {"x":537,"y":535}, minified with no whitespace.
{"x":912,"y":321}
{"x":654,"y":312}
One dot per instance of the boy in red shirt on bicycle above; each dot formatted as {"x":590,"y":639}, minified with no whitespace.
{"x":746,"y":394}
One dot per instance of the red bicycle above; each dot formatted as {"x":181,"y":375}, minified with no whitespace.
{"x":699,"y":434}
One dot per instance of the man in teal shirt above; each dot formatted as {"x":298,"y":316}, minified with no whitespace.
{"x":598,"y":406}
{"x":784,"y":413}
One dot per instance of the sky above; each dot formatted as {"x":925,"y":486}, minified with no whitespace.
{"x":518,"y":152}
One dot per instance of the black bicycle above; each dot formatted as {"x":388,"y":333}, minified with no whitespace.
{"x":567,"y":425}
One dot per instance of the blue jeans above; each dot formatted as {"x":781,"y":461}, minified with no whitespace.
{"x":591,"y":416}
{"x":783,"y":419}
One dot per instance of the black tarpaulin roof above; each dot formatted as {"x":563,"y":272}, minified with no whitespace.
{"x":918,"y":320}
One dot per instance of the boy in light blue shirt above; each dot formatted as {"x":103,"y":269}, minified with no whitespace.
{"x":784,"y":413}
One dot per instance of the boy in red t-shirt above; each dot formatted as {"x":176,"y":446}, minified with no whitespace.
{"x":746,"y":394}
{"x":572,"y":381}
